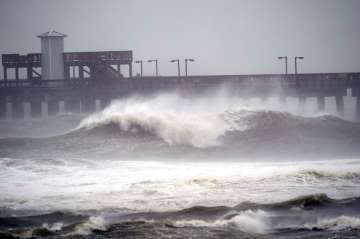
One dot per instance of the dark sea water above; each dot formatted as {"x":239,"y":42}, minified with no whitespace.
{"x":162,"y":168}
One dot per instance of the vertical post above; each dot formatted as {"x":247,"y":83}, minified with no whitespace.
{"x":340,"y":104}
{"x":178,"y":63}
{"x":17,"y":75}
{"x":141,"y":68}
{"x":67,"y":72}
{"x":286,"y":62}
{"x":9,"y":109}
{"x":35,"y":107}
{"x":81,"y":72}
{"x":119,"y":69}
{"x":130,"y":70}
{"x":296,"y":58}
{"x":80,"y":107}
{"x":29,"y":73}
{"x":302,"y":101}
{"x":27,"y":111}
{"x":186,"y":67}
{"x":156,"y":66}
{"x":44,"y":109}
{"x":321,"y":103}
{"x":5,"y":76}
{"x":73,"y":71}
{"x":61,"y":107}
{"x":2,"y":107}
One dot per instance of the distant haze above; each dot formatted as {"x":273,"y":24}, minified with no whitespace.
{"x":224,"y":37}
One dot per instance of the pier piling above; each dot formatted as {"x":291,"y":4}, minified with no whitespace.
{"x":340,"y":104}
{"x":321,"y":103}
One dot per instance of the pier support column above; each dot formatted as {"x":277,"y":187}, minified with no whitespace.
{"x":53,"y":107}
{"x":27,"y":110}
{"x":81,"y":72}
{"x":358,"y":107}
{"x":87,"y":105}
{"x":81,"y":110}
{"x":340,"y":104}
{"x":321,"y":103}
{"x":29,"y":73}
{"x":17,"y":109}
{"x":2,"y":107}
{"x":5,"y":75}
{"x":302,"y":101}
{"x":72,"y":106}
{"x":44,"y":109}
{"x":62,"y":109}
{"x":17,"y":76}
{"x":130,"y":70}
{"x":9,"y":110}
{"x":36,"y":108}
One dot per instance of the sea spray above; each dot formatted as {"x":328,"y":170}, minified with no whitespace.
{"x":201,"y":129}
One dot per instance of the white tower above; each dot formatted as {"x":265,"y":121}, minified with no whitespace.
{"x":52,"y":61}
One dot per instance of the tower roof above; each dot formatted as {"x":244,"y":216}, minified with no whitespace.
{"x":52,"y":34}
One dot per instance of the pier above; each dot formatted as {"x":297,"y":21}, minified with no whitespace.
{"x":55,"y":81}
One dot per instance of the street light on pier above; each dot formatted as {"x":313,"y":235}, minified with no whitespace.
{"x":296,"y":58}
{"x":286,"y":62}
{"x":186,"y":65}
{"x":178,"y":63}
{"x":156,"y":65}
{"x":141,"y":67}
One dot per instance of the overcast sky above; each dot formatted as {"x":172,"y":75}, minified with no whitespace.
{"x":223,"y":36}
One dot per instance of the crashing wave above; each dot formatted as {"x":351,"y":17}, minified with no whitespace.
{"x":211,"y":129}
{"x":338,"y":223}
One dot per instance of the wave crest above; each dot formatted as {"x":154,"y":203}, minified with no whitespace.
{"x":175,"y":124}
{"x":199,"y":130}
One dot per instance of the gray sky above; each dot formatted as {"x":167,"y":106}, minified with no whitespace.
{"x":224,"y":36}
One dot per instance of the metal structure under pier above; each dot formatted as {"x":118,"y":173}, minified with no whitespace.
{"x":24,"y":99}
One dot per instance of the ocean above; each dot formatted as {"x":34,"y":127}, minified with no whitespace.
{"x":173,"y":167}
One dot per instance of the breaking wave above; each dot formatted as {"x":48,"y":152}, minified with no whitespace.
{"x":168,"y":127}
{"x":316,"y":212}
{"x":220,"y":128}
{"x":338,"y":223}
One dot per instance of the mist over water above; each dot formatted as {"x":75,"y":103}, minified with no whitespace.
{"x":169,"y":165}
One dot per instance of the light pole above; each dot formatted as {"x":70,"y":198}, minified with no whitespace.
{"x":178,"y":63}
{"x":141,"y":67}
{"x":286,"y":62}
{"x":296,"y":58}
{"x":186,"y":65}
{"x":156,"y":66}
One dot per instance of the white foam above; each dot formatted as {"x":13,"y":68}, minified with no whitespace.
{"x":164,"y":186}
{"x":248,"y":221}
{"x":57,"y":226}
{"x":160,"y":116}
{"x":93,"y":223}
{"x":338,"y":223}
